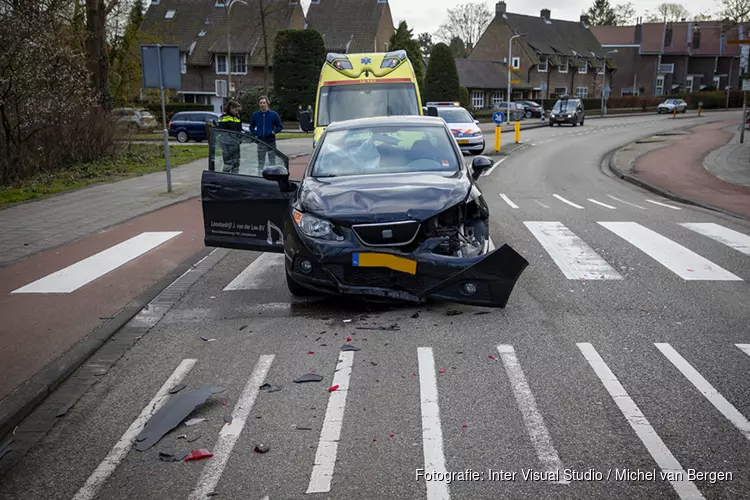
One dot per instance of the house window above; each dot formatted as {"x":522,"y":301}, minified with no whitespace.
{"x":697,"y":39}
{"x":689,"y":84}
{"x":497,"y":98}
{"x":239,"y":64}
{"x":542,"y":66}
{"x":582,"y":92}
{"x":170,"y":13}
{"x":600,"y":71}
{"x":563,"y":68}
{"x":584,"y":68}
{"x":515,"y":62}
{"x":183,"y":63}
{"x":668,"y":37}
{"x":625,"y":92}
{"x":560,"y":91}
{"x":477,"y":99}
{"x":221,"y":64}
{"x":717,"y":82}
{"x":660,"y":85}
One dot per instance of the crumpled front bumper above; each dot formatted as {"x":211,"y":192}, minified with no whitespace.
{"x":487,"y":280}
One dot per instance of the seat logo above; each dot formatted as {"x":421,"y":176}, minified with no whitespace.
{"x":387,"y":233}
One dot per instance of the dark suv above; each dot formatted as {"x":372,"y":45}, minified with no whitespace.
{"x":192,"y":125}
{"x":567,"y":110}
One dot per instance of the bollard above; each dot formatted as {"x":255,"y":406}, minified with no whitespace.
{"x":674,"y":112}
{"x":498,"y":131}
{"x":699,"y":110}
{"x":518,"y":132}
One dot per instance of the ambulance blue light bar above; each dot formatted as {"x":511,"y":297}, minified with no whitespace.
{"x":393,"y":59}
{"x":339,"y":61}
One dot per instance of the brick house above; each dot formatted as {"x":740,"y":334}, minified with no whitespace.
{"x":670,"y":58}
{"x":487,"y":82}
{"x":352,"y":26}
{"x":562,"y":56}
{"x":199,"y":27}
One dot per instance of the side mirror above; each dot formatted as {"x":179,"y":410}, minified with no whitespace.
{"x":276,"y":173}
{"x":476,"y":122}
{"x":479,"y":165}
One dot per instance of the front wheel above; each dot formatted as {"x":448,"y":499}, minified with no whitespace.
{"x":182,"y":136}
{"x":528,"y":114}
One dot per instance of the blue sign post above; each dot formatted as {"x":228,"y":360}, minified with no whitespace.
{"x":498,"y":117}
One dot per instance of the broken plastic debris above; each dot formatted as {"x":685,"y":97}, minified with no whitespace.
{"x":270,"y":388}
{"x":228,"y":419}
{"x":348,"y":339}
{"x":391,"y":435}
{"x":198,"y":455}
{"x":194,"y":421}
{"x":243,"y":327}
{"x":453,"y":312}
{"x":194,"y":437}
{"x":391,"y":328}
{"x":300,"y":428}
{"x":413,"y":374}
{"x":347,"y":347}
{"x":464,"y":426}
{"x":333,"y":388}
{"x":212,"y":494}
{"x":374,"y":440}
{"x":491,"y":356}
{"x":480,"y":313}
{"x":166,"y":456}
{"x":171,"y":414}
{"x":442,"y":370}
{"x":206,"y":339}
{"x":415,"y":315}
{"x":310,"y":352}
{"x":262,"y":448}
{"x":373,"y":363}
{"x":177,"y":388}
{"x":310,"y":377}
{"x":347,"y":321}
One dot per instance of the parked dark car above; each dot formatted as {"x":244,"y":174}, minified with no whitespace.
{"x":567,"y":110}
{"x":192,"y":125}
{"x":532,"y":109}
{"x":386,"y":209}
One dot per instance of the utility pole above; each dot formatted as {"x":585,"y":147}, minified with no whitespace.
{"x":229,"y":4}
{"x":510,"y":58}
{"x":604,"y":79}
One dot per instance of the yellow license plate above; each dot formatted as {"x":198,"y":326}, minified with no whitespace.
{"x":463,"y":141}
{"x":384,"y":260}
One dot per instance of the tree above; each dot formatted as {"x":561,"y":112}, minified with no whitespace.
{"x":668,"y":12}
{"x":425,"y":44}
{"x":126,"y":61}
{"x":463,"y":97}
{"x":96,"y":47}
{"x":625,"y":13}
{"x":467,"y":22}
{"x":402,"y":39}
{"x":601,"y":13}
{"x":297,"y":59}
{"x":441,"y":82}
{"x":458,"y":48}
{"x":735,"y":12}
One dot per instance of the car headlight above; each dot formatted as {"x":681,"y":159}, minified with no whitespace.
{"x":477,"y":133}
{"x":315,"y":227}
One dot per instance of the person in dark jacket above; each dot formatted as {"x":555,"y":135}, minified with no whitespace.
{"x":264,"y":125}
{"x":230,"y":144}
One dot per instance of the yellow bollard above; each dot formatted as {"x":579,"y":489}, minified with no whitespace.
{"x":498,"y":131}
{"x":518,"y":132}
{"x":699,"y":110}
{"x":674,"y":112}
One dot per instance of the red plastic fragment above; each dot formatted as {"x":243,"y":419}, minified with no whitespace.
{"x":198,"y":455}
{"x":374,"y":440}
{"x":442,"y":370}
{"x":310,"y":352}
{"x":391,"y":435}
{"x":333,"y":388}
{"x":464,"y":426}
{"x":413,"y":374}
{"x":348,"y":339}
{"x":491,"y":357}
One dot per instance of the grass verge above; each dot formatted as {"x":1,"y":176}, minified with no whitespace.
{"x":136,"y":160}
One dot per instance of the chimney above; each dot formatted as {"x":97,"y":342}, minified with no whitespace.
{"x":545,"y":14}
{"x":585,"y":20}
{"x":638,"y":32}
{"x":500,"y":8}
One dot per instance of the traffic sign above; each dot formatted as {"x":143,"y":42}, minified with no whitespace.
{"x":498,"y":117}
{"x":543,"y":86}
{"x":515,"y":82}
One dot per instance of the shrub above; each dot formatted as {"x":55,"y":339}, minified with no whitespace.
{"x":441,"y":82}
{"x":297,"y":60}
{"x":463,"y":97}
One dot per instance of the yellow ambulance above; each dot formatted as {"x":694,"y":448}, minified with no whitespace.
{"x":363,"y":85}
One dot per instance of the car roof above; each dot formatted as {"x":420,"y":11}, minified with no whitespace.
{"x":376,"y":121}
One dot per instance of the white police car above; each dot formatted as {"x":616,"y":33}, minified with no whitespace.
{"x":464,"y":127}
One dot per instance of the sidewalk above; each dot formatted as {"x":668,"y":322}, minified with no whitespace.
{"x":731,"y":162}
{"x":678,"y":165}
{"x":29,"y":228}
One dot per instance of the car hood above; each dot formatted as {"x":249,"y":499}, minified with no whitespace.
{"x":383,"y":198}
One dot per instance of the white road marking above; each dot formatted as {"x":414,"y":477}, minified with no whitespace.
{"x":571,"y":254}
{"x":251,"y":277}
{"x":542,"y":204}
{"x":120,"y":450}
{"x":684,"y":488}
{"x":568,"y":202}
{"x":602,"y":204}
{"x":685,"y":263}
{"x":744,"y":348}
{"x":432,"y":435}
{"x":729,"y":237}
{"x":493,"y":167}
{"x":714,"y":397}
{"x":87,"y":270}
{"x":492,"y":244}
{"x":507,"y":200}
{"x":626,"y":202}
{"x":230,"y":433}
{"x":533,"y":420}
{"x":325,"y":457}
{"x":663,"y":205}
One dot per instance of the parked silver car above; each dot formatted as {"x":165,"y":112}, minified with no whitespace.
{"x":669,"y":106}
{"x":133,"y":119}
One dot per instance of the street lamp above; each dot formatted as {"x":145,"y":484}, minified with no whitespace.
{"x":604,"y":78}
{"x":510,"y":58}
{"x":228,"y":4}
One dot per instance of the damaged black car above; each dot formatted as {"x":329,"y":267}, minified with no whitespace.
{"x":384,"y":208}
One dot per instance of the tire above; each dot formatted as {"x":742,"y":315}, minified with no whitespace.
{"x":582,"y":120}
{"x":551,"y":124}
{"x":480,"y":151}
{"x":182,"y":137}
{"x":684,"y":110}
{"x":296,"y":289}
{"x":528,"y":114}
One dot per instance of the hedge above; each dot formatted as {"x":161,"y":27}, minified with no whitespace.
{"x":173,"y":108}
{"x":711,"y":100}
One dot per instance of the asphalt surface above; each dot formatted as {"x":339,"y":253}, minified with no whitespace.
{"x":585,"y":387}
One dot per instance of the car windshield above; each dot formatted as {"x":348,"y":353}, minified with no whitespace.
{"x":347,"y":102}
{"x":385,"y":150}
{"x":564,"y":105}
{"x":533,"y":104}
{"x":455,"y":115}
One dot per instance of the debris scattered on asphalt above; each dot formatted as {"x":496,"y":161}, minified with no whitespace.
{"x":373,"y":363}
{"x":182,"y":436}
{"x":347,"y":347}
{"x":347,"y":321}
{"x":180,"y":456}
{"x":206,"y":339}
{"x":166,"y":456}
{"x":243,"y":327}
{"x":262,"y":448}
{"x":177,"y":388}
{"x":453,"y":312}
{"x":459,"y":352}
{"x":194,"y":421}
{"x":413,"y":374}
{"x":6,"y":447}
{"x":310,"y":352}
{"x":300,"y":428}
{"x":228,"y":419}
{"x":481,"y":313}
{"x":491,"y":356}
{"x":64,"y":409}
{"x":333,"y":388}
{"x":316,"y":340}
{"x":194,"y":437}
{"x":170,"y":415}
{"x":464,"y":426}
{"x":270,"y":387}
{"x":374,"y":440}
{"x":348,"y":339}
{"x":442,"y":370}
{"x":391,"y":328}
{"x":212,"y":494}
{"x":391,"y":435}
{"x":415,"y":315}
{"x":198,"y":455}
{"x":310,"y":377}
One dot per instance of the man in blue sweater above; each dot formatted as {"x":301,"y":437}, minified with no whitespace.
{"x":264,"y":125}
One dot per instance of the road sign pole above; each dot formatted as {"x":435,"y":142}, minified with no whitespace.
{"x":164,"y":124}
{"x":744,"y":117}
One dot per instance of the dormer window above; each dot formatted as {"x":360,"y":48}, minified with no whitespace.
{"x":170,"y":13}
{"x":584,"y":68}
{"x":542,"y":66}
{"x":220,"y":3}
{"x":563,"y":68}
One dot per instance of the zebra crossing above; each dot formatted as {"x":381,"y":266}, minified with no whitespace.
{"x":567,"y":202}
{"x":435,"y":396}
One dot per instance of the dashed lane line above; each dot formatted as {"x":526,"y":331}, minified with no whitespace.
{"x":602,"y":204}
{"x":663,"y":204}
{"x":567,"y":201}
{"x":507,"y":200}
{"x":626,"y":202}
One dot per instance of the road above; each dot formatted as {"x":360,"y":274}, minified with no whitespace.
{"x":624,"y":352}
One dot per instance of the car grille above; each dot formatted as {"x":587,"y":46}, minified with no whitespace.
{"x":387,"y":234}
{"x":379,"y":277}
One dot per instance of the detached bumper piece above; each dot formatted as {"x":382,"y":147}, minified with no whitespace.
{"x":485,"y":281}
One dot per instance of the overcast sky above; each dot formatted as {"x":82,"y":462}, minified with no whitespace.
{"x":427,"y":15}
